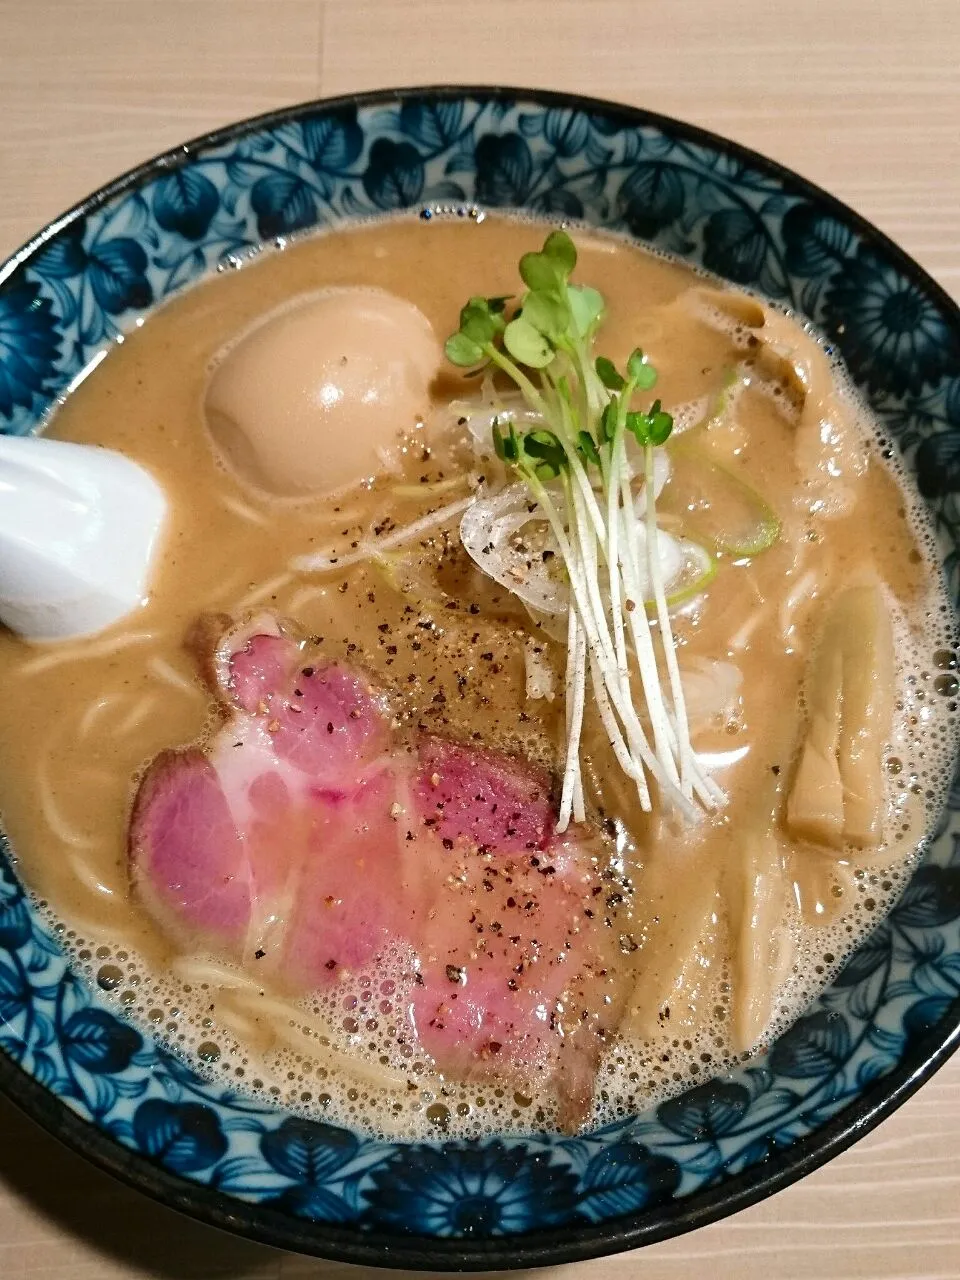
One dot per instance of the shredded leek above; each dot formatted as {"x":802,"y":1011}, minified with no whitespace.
{"x":727,"y":513}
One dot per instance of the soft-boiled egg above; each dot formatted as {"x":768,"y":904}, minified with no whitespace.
{"x":309,"y":399}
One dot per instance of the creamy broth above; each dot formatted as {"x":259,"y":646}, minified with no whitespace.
{"x":724,"y":929}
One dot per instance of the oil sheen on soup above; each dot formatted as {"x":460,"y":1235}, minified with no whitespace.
{"x":497,"y":749}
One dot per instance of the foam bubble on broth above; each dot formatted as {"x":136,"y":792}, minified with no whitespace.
{"x":347,"y":1071}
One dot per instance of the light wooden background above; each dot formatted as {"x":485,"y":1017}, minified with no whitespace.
{"x":863,"y":96}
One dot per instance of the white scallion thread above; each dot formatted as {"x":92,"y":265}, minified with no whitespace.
{"x":603,"y":619}
{"x":614,"y":698}
{"x":663,"y":734}
{"x":571,"y":793}
{"x":605,"y":684}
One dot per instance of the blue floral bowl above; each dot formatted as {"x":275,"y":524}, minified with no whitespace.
{"x":893,"y":1014}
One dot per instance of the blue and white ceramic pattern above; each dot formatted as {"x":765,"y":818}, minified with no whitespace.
{"x":885,"y":1023}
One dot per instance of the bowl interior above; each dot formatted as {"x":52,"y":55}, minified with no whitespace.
{"x":890,"y":1016}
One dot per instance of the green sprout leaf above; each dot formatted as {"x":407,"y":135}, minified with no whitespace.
{"x":539,"y":272}
{"x":549,"y":269}
{"x":653,"y":427}
{"x":561,"y":250}
{"x":546,"y":452}
{"x":587,"y":448}
{"x":638,"y":424}
{"x":463,"y":351}
{"x":506,"y":447}
{"x":608,"y":375}
{"x":641,"y":372}
{"x":526,"y":344}
{"x":586,"y":307}
{"x":544,"y":312}
{"x":608,"y":420}
{"x":478,"y":323}
{"x":473,"y":308}
{"x":498,"y":442}
{"x":635,"y":362}
{"x":660,"y":426}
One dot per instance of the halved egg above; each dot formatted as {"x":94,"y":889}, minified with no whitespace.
{"x":309,"y":399}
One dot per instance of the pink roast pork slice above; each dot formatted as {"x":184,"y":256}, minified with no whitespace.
{"x":311,"y":840}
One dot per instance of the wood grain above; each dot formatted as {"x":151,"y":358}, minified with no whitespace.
{"x":862,"y":96}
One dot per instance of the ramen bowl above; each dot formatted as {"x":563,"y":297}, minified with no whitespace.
{"x":109,"y":1089}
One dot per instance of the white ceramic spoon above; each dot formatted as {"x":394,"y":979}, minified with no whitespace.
{"x":79,"y":528}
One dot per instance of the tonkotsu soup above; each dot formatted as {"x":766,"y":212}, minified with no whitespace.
{"x":540,"y":691}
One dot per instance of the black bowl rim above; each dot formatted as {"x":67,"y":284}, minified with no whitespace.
{"x":544,"y":1247}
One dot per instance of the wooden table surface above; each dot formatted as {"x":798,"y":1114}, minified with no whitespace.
{"x":862,"y":96}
